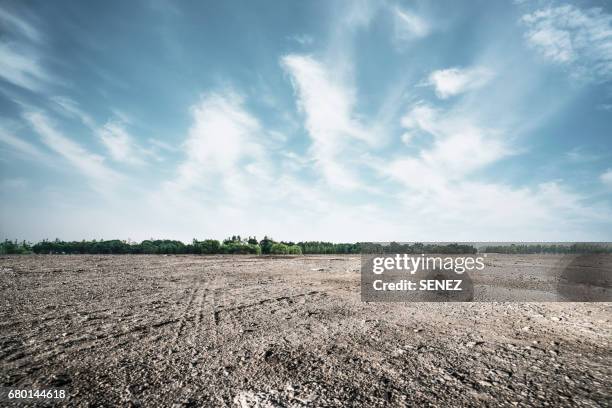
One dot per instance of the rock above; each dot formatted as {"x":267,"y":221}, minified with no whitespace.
{"x":59,"y":380}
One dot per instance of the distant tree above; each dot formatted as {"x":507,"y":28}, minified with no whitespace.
{"x":15,"y":247}
{"x":279,"y":249}
{"x":295,"y":250}
{"x":266,"y":245}
{"x":208,"y":246}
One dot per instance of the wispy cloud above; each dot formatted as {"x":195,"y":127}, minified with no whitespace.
{"x":21,"y":68}
{"x":20,"y":59}
{"x":302,"y":39}
{"x":328,"y":108}
{"x":580,"y":155}
{"x":453,"y":81}
{"x":409,"y":25}
{"x":163,"y":145}
{"x":357,"y":14}
{"x":568,"y":35}
{"x":19,"y":25}
{"x":222,"y":138}
{"x":23,"y":147}
{"x":120,"y":143}
{"x":89,"y":164}
{"x":459,"y":148}
{"x":358,"y":154}
{"x":69,"y":107}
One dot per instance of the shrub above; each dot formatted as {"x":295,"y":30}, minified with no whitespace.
{"x":284,"y":249}
{"x":279,"y":249}
{"x":208,"y":246}
{"x":295,"y":250}
{"x":240,"y":248}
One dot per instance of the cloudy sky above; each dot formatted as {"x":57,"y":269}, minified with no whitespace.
{"x":326,"y":120}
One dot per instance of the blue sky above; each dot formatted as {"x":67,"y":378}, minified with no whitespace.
{"x":343,"y":121}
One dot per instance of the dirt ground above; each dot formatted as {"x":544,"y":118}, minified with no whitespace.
{"x":182,"y":331}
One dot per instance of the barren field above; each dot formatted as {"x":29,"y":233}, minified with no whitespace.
{"x":183,"y":331}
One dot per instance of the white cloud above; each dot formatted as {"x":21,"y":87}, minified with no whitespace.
{"x":113,"y":134}
{"x":19,"y":25}
{"x":26,"y":148}
{"x":222,"y":139}
{"x":21,"y":68}
{"x":473,"y":210}
{"x":19,"y":53}
{"x":122,"y":116}
{"x":453,"y":81}
{"x":302,"y":39}
{"x":459,"y":148}
{"x":89,"y":164}
{"x":327,"y":105}
{"x":120,"y":143}
{"x":443,"y":184}
{"x":574,"y":37}
{"x":606,"y":177}
{"x":71,"y":108}
{"x":357,"y":13}
{"x":409,"y":25}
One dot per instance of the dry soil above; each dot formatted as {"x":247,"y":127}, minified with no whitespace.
{"x":181,"y":331}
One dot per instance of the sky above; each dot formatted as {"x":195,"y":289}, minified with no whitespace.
{"x":340,"y":121}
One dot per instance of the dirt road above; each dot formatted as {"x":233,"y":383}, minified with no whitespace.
{"x":253,"y":331}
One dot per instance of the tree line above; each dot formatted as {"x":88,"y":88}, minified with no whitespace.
{"x":231,"y":245}
{"x":268,"y":246}
{"x":417,"y":248}
{"x":577,"y":248}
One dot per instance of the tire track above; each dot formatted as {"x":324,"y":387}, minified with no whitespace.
{"x":24,"y":354}
{"x":218,"y":312}
{"x":185,"y":314}
{"x":198,"y":315}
